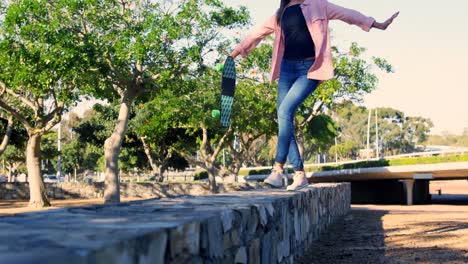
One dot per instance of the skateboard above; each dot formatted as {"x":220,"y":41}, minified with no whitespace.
{"x":228,"y":87}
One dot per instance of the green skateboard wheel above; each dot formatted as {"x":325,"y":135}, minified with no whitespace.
{"x":219,"y":67}
{"x":215,"y":114}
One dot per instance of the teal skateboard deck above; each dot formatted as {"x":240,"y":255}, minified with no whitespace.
{"x":228,"y":87}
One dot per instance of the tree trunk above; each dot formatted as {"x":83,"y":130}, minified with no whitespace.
{"x":236,"y":168}
{"x":38,"y":194}
{"x":161,"y":174}
{"x":112,"y":147}
{"x":13,"y":170}
{"x":10,"y":173}
{"x":6,"y":138}
{"x":212,"y":177}
{"x":154,"y":167}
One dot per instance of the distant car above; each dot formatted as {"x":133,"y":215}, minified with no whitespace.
{"x":88,"y":180}
{"x":50,"y":178}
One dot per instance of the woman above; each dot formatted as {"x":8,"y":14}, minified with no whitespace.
{"x":301,"y":61}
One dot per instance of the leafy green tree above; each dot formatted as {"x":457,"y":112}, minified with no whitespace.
{"x":353,"y":78}
{"x":417,"y":129}
{"x":319,"y":135}
{"x":13,"y":157}
{"x":400,"y":133}
{"x":6,"y":130}
{"x":93,"y":130}
{"x":72,"y":156}
{"x":143,"y":46}
{"x":397,"y":132}
{"x":13,"y":144}
{"x":49,"y":152}
{"x":41,"y":73}
{"x":346,"y":150}
{"x":157,"y":124}
{"x":447,"y":139}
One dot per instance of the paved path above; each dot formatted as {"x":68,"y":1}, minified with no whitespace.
{"x":396,"y":234}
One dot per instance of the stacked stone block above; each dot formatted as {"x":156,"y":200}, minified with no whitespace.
{"x":75,"y":190}
{"x":261,"y":226}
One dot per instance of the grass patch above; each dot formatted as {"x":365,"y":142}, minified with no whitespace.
{"x":398,"y":162}
{"x":373,"y":164}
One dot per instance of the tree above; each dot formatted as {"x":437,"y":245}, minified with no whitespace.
{"x":13,"y":158}
{"x":352,"y":120}
{"x":417,"y":129}
{"x":447,"y":139}
{"x":7,"y":132}
{"x":144,"y":46}
{"x":343,"y":151}
{"x":12,"y":153}
{"x":353,"y":79}
{"x":157,"y":125}
{"x":319,"y":135}
{"x":40,"y":75}
{"x":93,"y":130}
{"x":72,"y":156}
{"x":397,"y":132}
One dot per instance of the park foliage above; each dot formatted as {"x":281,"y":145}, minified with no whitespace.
{"x":150,"y":67}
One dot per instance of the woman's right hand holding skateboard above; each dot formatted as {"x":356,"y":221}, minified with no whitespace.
{"x":234,"y":54}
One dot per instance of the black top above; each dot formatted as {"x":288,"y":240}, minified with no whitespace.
{"x":298,"y":42}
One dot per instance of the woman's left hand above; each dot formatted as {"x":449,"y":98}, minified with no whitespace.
{"x":388,"y":22}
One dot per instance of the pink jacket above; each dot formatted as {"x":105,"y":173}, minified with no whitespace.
{"x":317,"y":14}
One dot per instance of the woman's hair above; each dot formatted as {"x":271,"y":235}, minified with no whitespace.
{"x":279,"y":13}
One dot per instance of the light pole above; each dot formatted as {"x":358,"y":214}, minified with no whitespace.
{"x":368,"y":134}
{"x":377,"y":149}
{"x":336,"y":151}
{"x":59,"y":148}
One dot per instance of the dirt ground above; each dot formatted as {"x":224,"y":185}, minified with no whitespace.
{"x":12,"y":207}
{"x":449,"y":187}
{"x":436,"y":233}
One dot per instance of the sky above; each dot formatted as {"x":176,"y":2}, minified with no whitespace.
{"x":427,"y":45}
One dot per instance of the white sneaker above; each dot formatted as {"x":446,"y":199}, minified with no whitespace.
{"x":299,"y":181}
{"x":275,"y":179}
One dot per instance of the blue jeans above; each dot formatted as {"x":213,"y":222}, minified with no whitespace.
{"x":293,"y":89}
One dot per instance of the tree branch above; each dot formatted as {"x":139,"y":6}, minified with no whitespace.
{"x":21,"y":118}
{"x":312,"y":115}
{"x":189,"y":158}
{"x":55,"y":114}
{"x":121,"y":79}
{"x":23,"y":100}
{"x":221,"y":143}
{"x":204,"y":144}
{"x":6,"y":138}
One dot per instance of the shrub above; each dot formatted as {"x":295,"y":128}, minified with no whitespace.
{"x":200,"y":175}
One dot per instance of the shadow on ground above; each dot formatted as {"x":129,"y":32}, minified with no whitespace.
{"x":362,"y":238}
{"x":358,"y":238}
{"x":453,"y":199}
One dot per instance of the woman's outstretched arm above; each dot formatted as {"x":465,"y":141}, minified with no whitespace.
{"x":254,"y":37}
{"x":354,"y":17}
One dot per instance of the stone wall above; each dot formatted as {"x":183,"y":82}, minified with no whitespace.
{"x":69,"y":190}
{"x":261,"y":226}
